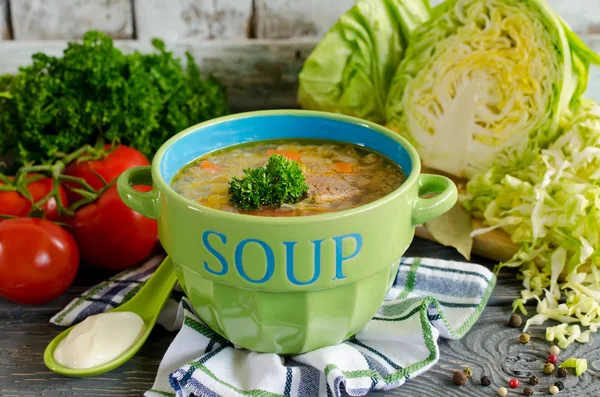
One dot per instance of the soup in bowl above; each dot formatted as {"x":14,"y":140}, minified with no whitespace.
{"x":286,"y":227}
{"x":338,"y":176}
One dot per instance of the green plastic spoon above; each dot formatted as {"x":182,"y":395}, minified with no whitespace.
{"x":147,"y":303}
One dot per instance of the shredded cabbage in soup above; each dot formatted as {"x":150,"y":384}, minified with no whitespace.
{"x":340,"y":176}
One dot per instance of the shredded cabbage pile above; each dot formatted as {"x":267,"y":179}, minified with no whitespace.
{"x":551,"y":209}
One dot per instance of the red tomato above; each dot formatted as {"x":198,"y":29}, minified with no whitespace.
{"x":111,"y":235}
{"x":15,"y":204}
{"x":120,"y":159}
{"x":38,"y":260}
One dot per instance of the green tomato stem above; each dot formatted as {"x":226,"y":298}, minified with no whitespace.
{"x":57,"y":169}
{"x":77,"y":154}
{"x":5,"y":179}
{"x":85,"y":201}
{"x":80,"y":181}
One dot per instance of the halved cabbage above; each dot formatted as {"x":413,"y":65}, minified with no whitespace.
{"x":350,"y":70}
{"x":485,"y":82}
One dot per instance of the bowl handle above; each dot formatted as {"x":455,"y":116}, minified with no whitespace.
{"x":426,"y":209}
{"x":142,"y":202}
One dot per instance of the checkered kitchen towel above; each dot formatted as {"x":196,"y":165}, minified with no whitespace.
{"x":430,"y":298}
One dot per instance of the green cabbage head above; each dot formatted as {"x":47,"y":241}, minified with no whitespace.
{"x":351,"y":68}
{"x":486,"y":82}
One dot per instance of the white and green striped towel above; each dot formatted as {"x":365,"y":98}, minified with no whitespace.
{"x":430,"y":298}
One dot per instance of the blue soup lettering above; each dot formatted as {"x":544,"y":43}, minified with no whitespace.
{"x":218,"y":265}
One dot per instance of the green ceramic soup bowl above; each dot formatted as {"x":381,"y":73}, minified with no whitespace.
{"x":290,"y":284}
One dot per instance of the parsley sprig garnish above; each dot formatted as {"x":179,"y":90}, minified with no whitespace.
{"x":275,"y":183}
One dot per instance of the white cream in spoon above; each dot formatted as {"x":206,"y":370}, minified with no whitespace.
{"x":99,"y":339}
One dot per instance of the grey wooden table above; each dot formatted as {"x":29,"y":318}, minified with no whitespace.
{"x":491,"y":348}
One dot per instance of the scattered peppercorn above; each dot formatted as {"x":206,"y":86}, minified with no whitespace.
{"x":459,"y":378}
{"x":552,"y":359}
{"x":555,"y":350}
{"x":524,"y":338}
{"x":515,"y":321}
{"x":562,"y":372}
{"x":553,"y":390}
{"x":503,"y":392}
{"x":559,"y":384}
{"x":468,"y":371}
{"x":514,"y":383}
{"x":485,"y":381}
{"x":534,"y":380}
{"x":548,"y":368}
{"x":528,"y":391}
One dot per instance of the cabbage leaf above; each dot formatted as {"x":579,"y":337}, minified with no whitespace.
{"x":351,"y":68}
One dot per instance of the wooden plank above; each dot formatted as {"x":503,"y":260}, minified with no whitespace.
{"x":70,"y":19}
{"x":276,"y":19}
{"x":192,"y":19}
{"x":4,"y":23}
{"x":492,"y":348}
{"x":207,"y":19}
{"x":259,"y":74}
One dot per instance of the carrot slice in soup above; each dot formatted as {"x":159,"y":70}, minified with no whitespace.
{"x":290,"y":154}
{"x":210,"y":166}
{"x":343,"y":167}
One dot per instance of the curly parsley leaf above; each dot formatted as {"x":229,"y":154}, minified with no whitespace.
{"x":277,"y":182}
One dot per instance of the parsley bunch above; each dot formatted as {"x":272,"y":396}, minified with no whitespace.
{"x":277,"y":182}
{"x":94,"y":92}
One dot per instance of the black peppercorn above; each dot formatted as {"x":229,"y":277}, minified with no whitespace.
{"x":515,"y":321}
{"x":534,"y":380}
{"x":562,"y":372}
{"x":485,"y":381}
{"x":528,"y":391}
{"x":559,"y":384}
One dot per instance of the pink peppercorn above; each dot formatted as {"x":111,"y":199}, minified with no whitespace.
{"x":552,"y":359}
{"x":514,"y":383}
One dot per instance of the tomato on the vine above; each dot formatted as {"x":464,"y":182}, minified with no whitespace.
{"x":110,"y":234}
{"x":15,"y":204}
{"x":38,"y":260}
{"x":118,"y":160}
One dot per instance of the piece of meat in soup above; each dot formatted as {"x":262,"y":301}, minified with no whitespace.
{"x":327,"y":189}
